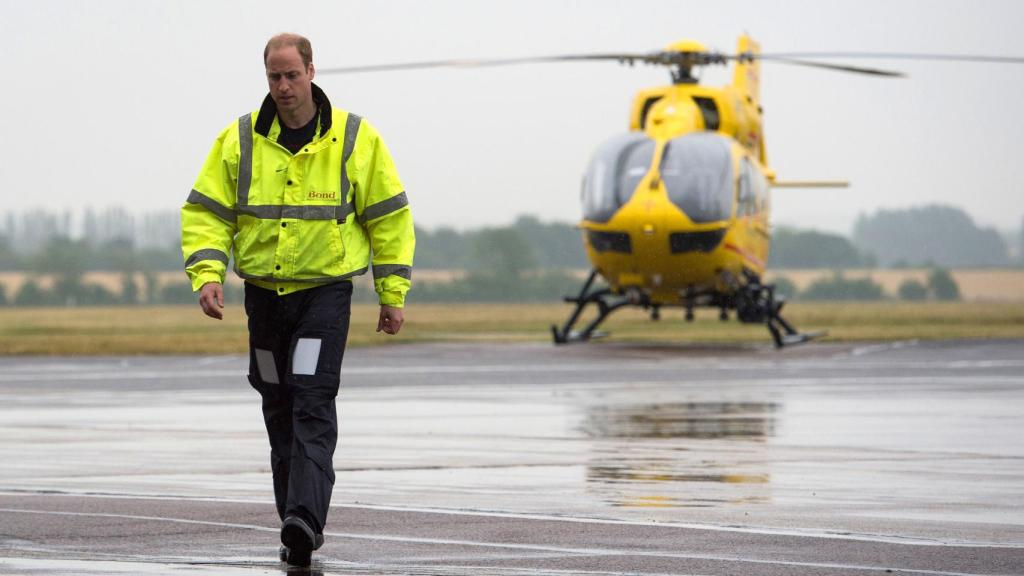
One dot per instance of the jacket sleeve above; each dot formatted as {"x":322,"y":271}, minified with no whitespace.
{"x":382,"y":208}
{"x":208,"y":218}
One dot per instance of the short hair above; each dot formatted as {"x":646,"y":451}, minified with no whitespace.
{"x":283,"y":40}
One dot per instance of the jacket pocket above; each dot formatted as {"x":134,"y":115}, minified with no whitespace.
{"x":242,"y":244}
{"x":338,"y":248}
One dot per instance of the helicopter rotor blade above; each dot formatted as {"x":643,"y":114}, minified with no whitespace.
{"x":671,"y":58}
{"x":834,"y":66}
{"x":894,"y":56}
{"x":805,"y":59}
{"x":623,"y":57}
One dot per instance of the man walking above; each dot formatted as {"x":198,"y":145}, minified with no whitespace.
{"x":300,"y":193}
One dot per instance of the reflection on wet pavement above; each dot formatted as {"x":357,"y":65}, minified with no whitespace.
{"x":921,"y":445}
{"x":622,"y":478}
{"x":658,"y":472}
{"x":740,"y":420}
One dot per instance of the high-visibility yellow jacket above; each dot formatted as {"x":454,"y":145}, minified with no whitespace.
{"x":296,"y":221}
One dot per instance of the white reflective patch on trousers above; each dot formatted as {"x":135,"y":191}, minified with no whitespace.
{"x":267,"y":367}
{"x":306,"y":356}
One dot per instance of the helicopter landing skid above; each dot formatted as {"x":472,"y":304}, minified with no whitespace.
{"x":606,"y":303}
{"x":756,"y":303}
{"x":777,"y":325}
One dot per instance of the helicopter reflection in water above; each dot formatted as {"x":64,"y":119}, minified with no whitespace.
{"x":654,"y":455}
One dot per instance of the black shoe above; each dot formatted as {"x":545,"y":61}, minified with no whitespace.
{"x":300,"y":540}
{"x":282,"y":552}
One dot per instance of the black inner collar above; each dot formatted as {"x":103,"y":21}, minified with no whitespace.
{"x":268,"y":111}
{"x":295,"y":139}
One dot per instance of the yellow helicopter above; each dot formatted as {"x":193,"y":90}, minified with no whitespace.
{"x":676,"y":210}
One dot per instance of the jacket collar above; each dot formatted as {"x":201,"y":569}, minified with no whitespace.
{"x":268,"y":111}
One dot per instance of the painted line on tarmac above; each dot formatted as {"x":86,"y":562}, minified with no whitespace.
{"x":875,"y":538}
{"x":884,"y":347}
{"x":568,"y":551}
{"x":141,"y":517}
{"x":175,"y":567}
{"x":761,"y":531}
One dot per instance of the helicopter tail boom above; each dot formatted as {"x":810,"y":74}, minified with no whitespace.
{"x":810,"y":184}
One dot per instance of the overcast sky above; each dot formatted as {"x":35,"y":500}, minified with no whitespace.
{"x":117,"y":102}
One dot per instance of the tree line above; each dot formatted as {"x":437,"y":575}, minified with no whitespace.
{"x":529,"y":260}
{"x":939,"y":285}
{"x":916,"y":237}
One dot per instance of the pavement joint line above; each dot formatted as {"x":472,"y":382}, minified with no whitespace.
{"x":124,"y":371}
{"x":877,"y":538}
{"x":671,"y":380}
{"x":504,"y":546}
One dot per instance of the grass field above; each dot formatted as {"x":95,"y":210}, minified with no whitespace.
{"x":977,"y":284}
{"x":184,"y":330}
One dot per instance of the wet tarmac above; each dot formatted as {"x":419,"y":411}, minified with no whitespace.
{"x":529,"y":459}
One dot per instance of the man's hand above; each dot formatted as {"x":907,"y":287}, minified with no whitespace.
{"x":211,"y":300}
{"x":390,"y":321}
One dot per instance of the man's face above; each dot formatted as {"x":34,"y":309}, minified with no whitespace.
{"x":290,"y":82}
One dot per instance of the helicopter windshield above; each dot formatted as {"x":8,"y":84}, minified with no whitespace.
{"x":697,"y":172}
{"x":615,"y":171}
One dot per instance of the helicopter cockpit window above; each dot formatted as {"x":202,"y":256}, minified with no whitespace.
{"x":746,"y":204}
{"x":753,"y":190}
{"x":697,"y":172}
{"x":615,"y":171}
{"x":763,"y":192}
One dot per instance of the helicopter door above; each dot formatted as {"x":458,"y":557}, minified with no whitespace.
{"x":697,"y":172}
{"x":615,"y":171}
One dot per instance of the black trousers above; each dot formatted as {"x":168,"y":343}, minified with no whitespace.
{"x":296,"y":345}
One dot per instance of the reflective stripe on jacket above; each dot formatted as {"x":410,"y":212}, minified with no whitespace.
{"x":294,"y":221}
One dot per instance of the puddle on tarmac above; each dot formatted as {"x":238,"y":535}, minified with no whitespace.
{"x":679,"y":461}
{"x":615,"y":474}
{"x":702,"y":420}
